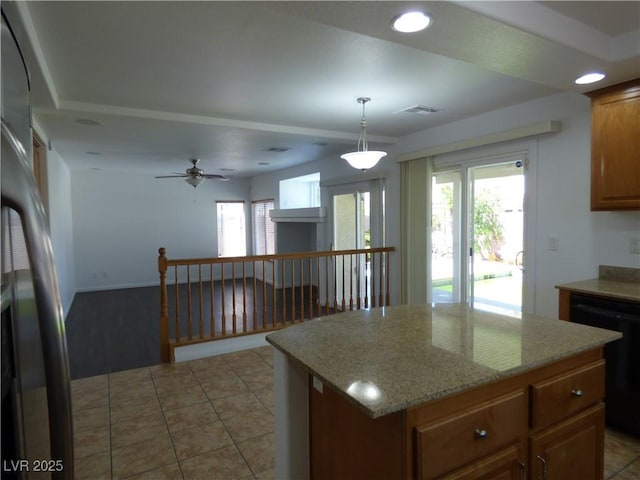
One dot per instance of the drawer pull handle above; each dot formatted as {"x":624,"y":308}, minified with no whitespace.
{"x":480,"y":434}
{"x":576,"y":393}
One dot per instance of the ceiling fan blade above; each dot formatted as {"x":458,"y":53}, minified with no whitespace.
{"x":214,"y":175}
{"x":172,"y":176}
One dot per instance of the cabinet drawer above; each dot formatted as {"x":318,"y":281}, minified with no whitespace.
{"x":470,"y":434}
{"x":563,"y":395}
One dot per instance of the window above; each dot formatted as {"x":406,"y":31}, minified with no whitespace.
{"x":264,"y":235}
{"x":300,"y":192}
{"x":232,"y":239}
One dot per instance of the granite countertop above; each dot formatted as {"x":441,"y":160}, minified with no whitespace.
{"x":619,"y":289}
{"x":392,"y":358}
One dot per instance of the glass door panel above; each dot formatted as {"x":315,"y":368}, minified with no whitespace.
{"x":496,"y":248}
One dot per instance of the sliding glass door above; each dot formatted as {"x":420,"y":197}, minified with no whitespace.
{"x":477,"y":246}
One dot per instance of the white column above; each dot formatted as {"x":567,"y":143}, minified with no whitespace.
{"x":290,"y":385}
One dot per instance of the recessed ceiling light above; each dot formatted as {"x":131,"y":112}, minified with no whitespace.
{"x":411,"y":22}
{"x":590,"y":78}
{"x":263,"y":163}
{"x":88,"y":121}
{"x":93,"y":153}
{"x":227,"y":169}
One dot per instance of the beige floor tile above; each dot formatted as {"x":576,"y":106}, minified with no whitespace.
{"x":90,"y":399}
{"x":137,"y":429}
{"x":94,"y":467}
{"x":620,"y":450}
{"x":208,"y":363}
{"x":224,"y":387}
{"x":249,"y":425}
{"x":268,"y":475}
{"x":258,"y":381}
{"x":632,"y":472}
{"x":168,"y":472}
{"x":266,"y":396}
{"x":145,"y":405}
{"x":142,"y":457}
{"x":211,"y":375}
{"x":190,"y":417}
{"x":182,"y":397}
{"x":130,"y":391}
{"x":223,"y":464}
{"x":169,"y":369}
{"x":196,"y":441}
{"x":234,"y":405}
{"x":250,"y":364}
{"x":169,"y":385}
{"x":127,"y":377}
{"x":90,"y":442}
{"x":90,"y":384}
{"x":90,"y":418}
{"x":259,"y":452}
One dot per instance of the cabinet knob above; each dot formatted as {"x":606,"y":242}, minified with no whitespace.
{"x":576,"y":393}
{"x":480,"y":434}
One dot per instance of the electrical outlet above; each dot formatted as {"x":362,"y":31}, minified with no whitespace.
{"x":553,"y":243}
{"x":634,"y":246}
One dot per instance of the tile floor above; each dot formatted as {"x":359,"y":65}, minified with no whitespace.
{"x":204,"y":420}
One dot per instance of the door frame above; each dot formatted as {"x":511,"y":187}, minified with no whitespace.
{"x":486,"y":156}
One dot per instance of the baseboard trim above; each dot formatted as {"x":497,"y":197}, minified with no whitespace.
{"x":219,"y":347}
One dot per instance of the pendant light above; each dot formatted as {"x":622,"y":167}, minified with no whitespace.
{"x":363,"y":158}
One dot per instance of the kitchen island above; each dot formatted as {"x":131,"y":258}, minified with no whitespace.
{"x":427,"y":392}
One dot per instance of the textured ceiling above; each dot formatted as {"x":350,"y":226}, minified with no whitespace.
{"x":224,"y":81}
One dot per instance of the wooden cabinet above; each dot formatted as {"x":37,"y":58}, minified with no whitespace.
{"x":571,"y":450}
{"x":512,"y":429}
{"x":615,"y":147}
{"x":472,"y":434}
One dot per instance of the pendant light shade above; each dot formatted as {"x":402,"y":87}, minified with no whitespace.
{"x":363,"y":159}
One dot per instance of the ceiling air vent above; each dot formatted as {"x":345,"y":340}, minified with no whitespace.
{"x":419,"y":109}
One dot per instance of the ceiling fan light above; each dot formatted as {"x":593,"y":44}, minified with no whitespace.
{"x":194,"y":181}
{"x":363,"y":160}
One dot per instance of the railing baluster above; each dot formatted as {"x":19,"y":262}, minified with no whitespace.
{"x":189,"y":320}
{"x":293,"y":291}
{"x":367,"y":278}
{"x":301,"y":290}
{"x":372,"y":271}
{"x":310,"y":289}
{"x":212,"y":303}
{"x":244,"y":299}
{"x":176,"y":286}
{"x":200,"y":306}
{"x":255,"y":298}
{"x":223,"y":300}
{"x":284,"y":291}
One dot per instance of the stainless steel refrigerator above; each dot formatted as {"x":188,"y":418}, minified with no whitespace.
{"x":37,"y":437}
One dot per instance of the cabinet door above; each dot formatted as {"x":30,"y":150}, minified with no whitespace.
{"x":505,"y":465}
{"x":571,"y":450}
{"x":615,"y":147}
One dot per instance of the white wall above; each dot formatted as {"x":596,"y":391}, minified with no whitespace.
{"x":121,"y":219}
{"x":586,"y":239}
{"x":61,"y":224}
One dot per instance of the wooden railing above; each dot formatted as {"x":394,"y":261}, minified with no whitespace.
{"x":205,"y":299}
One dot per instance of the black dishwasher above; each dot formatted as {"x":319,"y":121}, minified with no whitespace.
{"x":622,"y":356}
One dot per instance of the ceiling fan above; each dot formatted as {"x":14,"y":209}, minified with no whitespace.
{"x":194,"y":176}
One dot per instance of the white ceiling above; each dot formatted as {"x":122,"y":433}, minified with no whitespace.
{"x":224,"y":81}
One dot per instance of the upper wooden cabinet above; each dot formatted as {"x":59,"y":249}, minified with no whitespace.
{"x":615,"y":147}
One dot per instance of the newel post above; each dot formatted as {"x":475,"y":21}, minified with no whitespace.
{"x":165,"y":355}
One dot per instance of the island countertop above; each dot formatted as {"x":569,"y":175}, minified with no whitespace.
{"x":392,"y":358}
